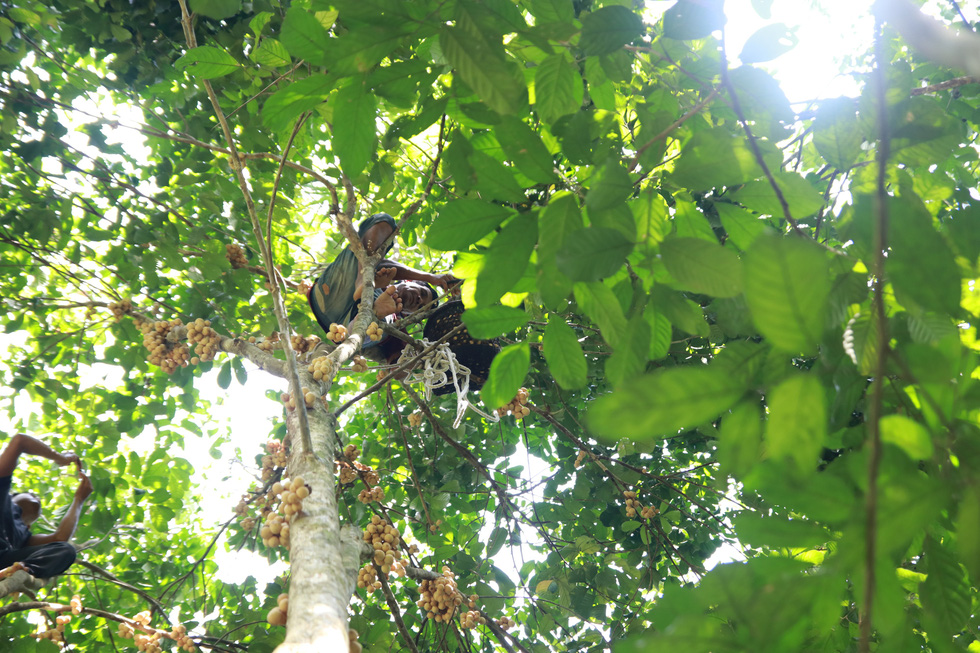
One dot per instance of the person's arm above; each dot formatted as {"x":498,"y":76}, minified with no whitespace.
{"x":445,"y":281}
{"x":70,"y":521}
{"x":22,"y":443}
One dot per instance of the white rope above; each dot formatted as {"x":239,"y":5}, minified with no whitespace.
{"x":437,"y":367}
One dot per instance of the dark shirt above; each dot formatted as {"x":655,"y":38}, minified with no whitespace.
{"x":13,"y":532}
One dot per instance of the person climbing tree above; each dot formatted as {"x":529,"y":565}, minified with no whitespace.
{"x":41,"y":555}
{"x":334,"y":294}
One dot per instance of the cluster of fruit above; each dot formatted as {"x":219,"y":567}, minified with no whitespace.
{"x":367,"y":578}
{"x":350,"y":471}
{"x":277,"y":615}
{"x":440,"y":598}
{"x":266,"y":344}
{"x":374,"y":332}
{"x":9,"y":571}
{"x":235,"y":256}
{"x":385,"y":539}
{"x":293,"y":492}
{"x":56,"y":634}
{"x":302,"y":345}
{"x":275,"y":458}
{"x":415,"y":419}
{"x":321,"y":368}
{"x":120,"y":308}
{"x":506,"y":623}
{"x":633,"y":506}
{"x":205,"y":340}
{"x":471,"y":619}
{"x":516,"y":406}
{"x":275,"y":531}
{"x":184,"y":641}
{"x":358,"y":364}
{"x":580,"y":458}
{"x":337,"y":333}
{"x":166,"y":356}
{"x":374,"y":494}
{"x":148,"y":643}
{"x":435,"y":526}
{"x":354,"y":645}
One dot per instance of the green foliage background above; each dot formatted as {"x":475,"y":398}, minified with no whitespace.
{"x":707,"y":339}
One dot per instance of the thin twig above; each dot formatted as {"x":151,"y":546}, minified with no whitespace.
{"x":393,"y":607}
{"x":879,"y":242}
{"x":674,"y":125}
{"x":737,"y":106}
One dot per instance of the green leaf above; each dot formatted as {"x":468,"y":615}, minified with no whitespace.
{"x":492,"y":321}
{"x":650,"y":213}
{"x":593,"y":253}
{"x":507,"y":373}
{"x":560,"y":218}
{"x":563,"y":354}
{"x":224,"y":376}
{"x":801,"y":198}
{"x":258,"y":22}
{"x":716,"y":157}
{"x":663,"y":403}
{"x":742,"y":227}
{"x":683,"y":313}
{"x":271,"y":53}
{"x":908,"y":435}
{"x":837,"y":133}
{"x":862,"y":342}
{"x":354,"y":135}
{"x":786,"y":286}
{"x":946,"y":594}
{"x":608,"y":29}
{"x":774,"y":531}
{"x":629,"y":359}
{"x":797,"y":425}
{"x":472,"y":53}
{"x":552,"y":11}
{"x":494,"y":180}
{"x":463,"y":222}
{"x":289,"y":102}
{"x":693,"y":19}
{"x":968,"y":530}
{"x":924,"y":133}
{"x":506,"y":259}
{"x":768,"y":43}
{"x":601,"y":305}
{"x":918,"y":252}
{"x":304,"y":36}
{"x":660,"y":332}
{"x":611,"y":187}
{"x":740,"y":438}
{"x":702,"y":266}
{"x":207,"y":62}
{"x":557,"y":88}
{"x":523,"y":146}
{"x":217,"y":9}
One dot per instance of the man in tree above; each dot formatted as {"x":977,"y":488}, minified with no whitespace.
{"x":335,"y":293}
{"x":44,"y":555}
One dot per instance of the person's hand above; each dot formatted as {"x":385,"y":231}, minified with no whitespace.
{"x":69,"y":458}
{"x":84,"y":487}
{"x":388,"y":302}
{"x":447,"y":282}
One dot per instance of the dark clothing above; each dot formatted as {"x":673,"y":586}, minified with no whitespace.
{"x":43,"y":560}
{"x":332,"y":295}
{"x":13,"y":532}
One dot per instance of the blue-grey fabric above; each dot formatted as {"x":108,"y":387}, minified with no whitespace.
{"x":13,"y":532}
{"x":332,"y":295}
